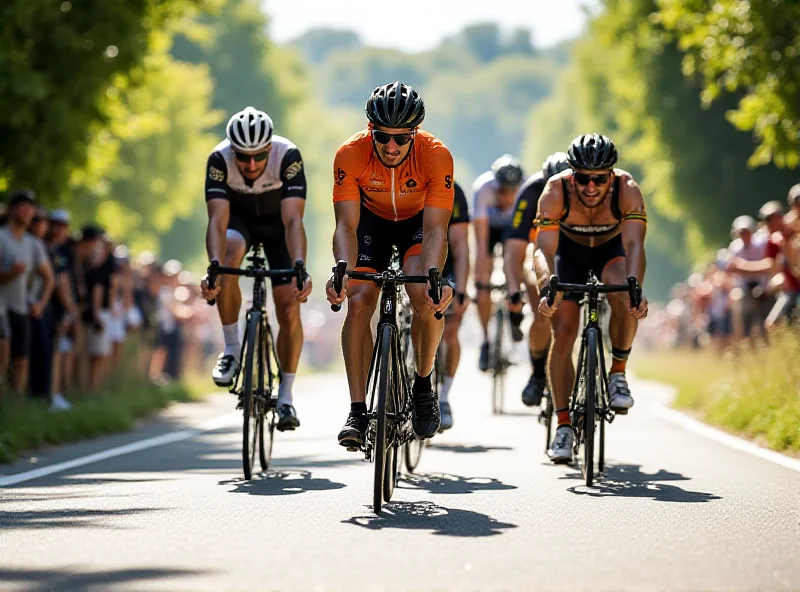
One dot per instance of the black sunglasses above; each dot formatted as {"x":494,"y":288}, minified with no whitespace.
{"x":260,"y":157}
{"x":385,"y":138}
{"x":584,"y":179}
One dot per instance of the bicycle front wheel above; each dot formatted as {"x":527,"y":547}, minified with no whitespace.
{"x":591,"y":403}
{"x":382,"y":428}
{"x":498,"y":366}
{"x":251,"y":412}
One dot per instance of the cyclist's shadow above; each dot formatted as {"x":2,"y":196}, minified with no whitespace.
{"x":444,"y":483}
{"x":429,"y":516}
{"x":282,"y":482}
{"x":630,"y":481}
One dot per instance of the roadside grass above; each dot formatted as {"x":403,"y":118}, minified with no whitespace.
{"x":27,"y":424}
{"x":753,"y":393}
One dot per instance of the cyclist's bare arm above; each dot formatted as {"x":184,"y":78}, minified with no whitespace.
{"x":481,"y":228}
{"x":292,"y":210}
{"x":513,"y":262}
{"x":633,"y":227}
{"x":458,"y":238}
{"x":345,"y":243}
{"x":219,"y":213}
{"x":434,"y":237}
{"x":549,"y":211}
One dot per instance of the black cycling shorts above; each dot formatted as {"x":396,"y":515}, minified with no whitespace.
{"x":20,"y":326}
{"x":574,"y":260}
{"x":273,"y":239}
{"x":376,"y":236}
{"x":496,"y":237}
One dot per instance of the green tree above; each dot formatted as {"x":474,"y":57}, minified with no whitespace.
{"x":57,"y":61}
{"x":318,"y":44}
{"x":751,"y":49}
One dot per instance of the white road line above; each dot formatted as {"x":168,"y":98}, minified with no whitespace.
{"x":698,"y":427}
{"x":213,"y":424}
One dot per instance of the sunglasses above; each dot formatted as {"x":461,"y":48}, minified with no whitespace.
{"x":584,"y":179}
{"x":260,"y":157}
{"x":385,"y":138}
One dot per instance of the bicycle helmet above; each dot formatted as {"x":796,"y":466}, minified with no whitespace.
{"x":507,"y":171}
{"x":592,"y":152}
{"x":554,"y":164}
{"x":249,"y":130}
{"x":395,"y":105}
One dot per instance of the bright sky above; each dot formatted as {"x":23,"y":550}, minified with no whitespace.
{"x":417,"y":25}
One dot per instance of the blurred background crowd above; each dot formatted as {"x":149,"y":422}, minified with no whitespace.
{"x":749,"y":288}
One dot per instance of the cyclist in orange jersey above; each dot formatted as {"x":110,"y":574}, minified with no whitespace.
{"x":393,"y":185}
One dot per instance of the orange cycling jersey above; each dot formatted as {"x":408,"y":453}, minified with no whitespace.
{"x":423,"y":179}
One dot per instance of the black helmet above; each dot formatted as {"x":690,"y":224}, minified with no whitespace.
{"x":507,"y":171}
{"x":554,"y":164}
{"x":395,"y":105}
{"x":593,"y":152}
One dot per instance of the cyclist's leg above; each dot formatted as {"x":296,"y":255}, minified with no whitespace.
{"x":539,"y":334}
{"x":452,"y":355}
{"x":622,"y":326}
{"x":484,"y":264}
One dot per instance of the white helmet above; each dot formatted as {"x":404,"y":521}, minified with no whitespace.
{"x":249,"y":130}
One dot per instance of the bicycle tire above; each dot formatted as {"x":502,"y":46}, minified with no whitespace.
{"x":250,"y":415}
{"x":498,"y":369}
{"x":413,"y":454}
{"x":590,"y":403}
{"x":381,"y":431}
{"x":548,"y":420}
{"x":267,"y":419}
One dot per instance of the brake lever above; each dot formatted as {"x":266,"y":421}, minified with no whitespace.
{"x":338,"y":279}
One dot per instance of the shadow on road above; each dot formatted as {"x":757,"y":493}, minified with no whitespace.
{"x":630,"y":481}
{"x":40,"y":519}
{"x":466,"y":448}
{"x":429,"y":516}
{"x":282,"y":483}
{"x":451,"y":484}
{"x":65,"y":579}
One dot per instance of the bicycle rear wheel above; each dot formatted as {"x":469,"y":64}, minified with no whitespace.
{"x":548,"y":419}
{"x":498,"y":366}
{"x":268,"y":419}
{"x":382,"y":428}
{"x":590,"y":403}
{"x":251,"y":412}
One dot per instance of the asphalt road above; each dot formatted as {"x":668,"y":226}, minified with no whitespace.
{"x":486,"y":510}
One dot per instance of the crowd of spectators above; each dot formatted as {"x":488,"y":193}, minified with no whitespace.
{"x":70,"y":301}
{"x":752,"y":285}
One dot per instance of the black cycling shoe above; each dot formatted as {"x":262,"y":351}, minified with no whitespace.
{"x":515,"y":320}
{"x":534,"y":390}
{"x":426,"y":418}
{"x":287,"y":418}
{"x":483,"y":360}
{"x":353,"y":432}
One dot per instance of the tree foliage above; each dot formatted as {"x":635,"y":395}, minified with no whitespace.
{"x":57,"y":60}
{"x":751,"y":49}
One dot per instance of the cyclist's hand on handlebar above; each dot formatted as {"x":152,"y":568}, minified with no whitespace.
{"x":545,"y":309}
{"x":209,"y":293}
{"x":302,"y":295}
{"x":641,"y":312}
{"x":331,"y":294}
{"x":444,"y":301}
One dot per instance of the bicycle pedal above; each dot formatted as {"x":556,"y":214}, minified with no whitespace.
{"x":352,"y":449}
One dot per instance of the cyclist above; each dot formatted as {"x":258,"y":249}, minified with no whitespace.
{"x":493,"y":196}
{"x":393,"y":184}
{"x":590,"y":218}
{"x":256,"y":191}
{"x":456,"y":270}
{"x":521,"y":232}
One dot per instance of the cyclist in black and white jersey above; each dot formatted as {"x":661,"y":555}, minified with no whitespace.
{"x":493,"y":196}
{"x":256,"y":191}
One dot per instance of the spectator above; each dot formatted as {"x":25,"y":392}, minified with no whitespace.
{"x":22,"y":255}
{"x":64,"y":307}
{"x":167,"y":345}
{"x":776,"y":261}
{"x":97,"y":316}
{"x":750,"y":300}
{"x":41,"y":359}
{"x":792,"y":220}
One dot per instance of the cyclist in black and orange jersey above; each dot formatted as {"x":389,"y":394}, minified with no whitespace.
{"x":393,"y":185}
{"x":518,"y":236}
{"x":591,"y":217}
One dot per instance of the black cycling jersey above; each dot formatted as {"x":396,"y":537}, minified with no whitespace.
{"x":460,"y":215}
{"x":593,"y":230}
{"x":523,"y":223}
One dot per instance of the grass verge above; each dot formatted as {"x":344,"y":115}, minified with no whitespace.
{"x":29,"y":424}
{"x":752,"y":393}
